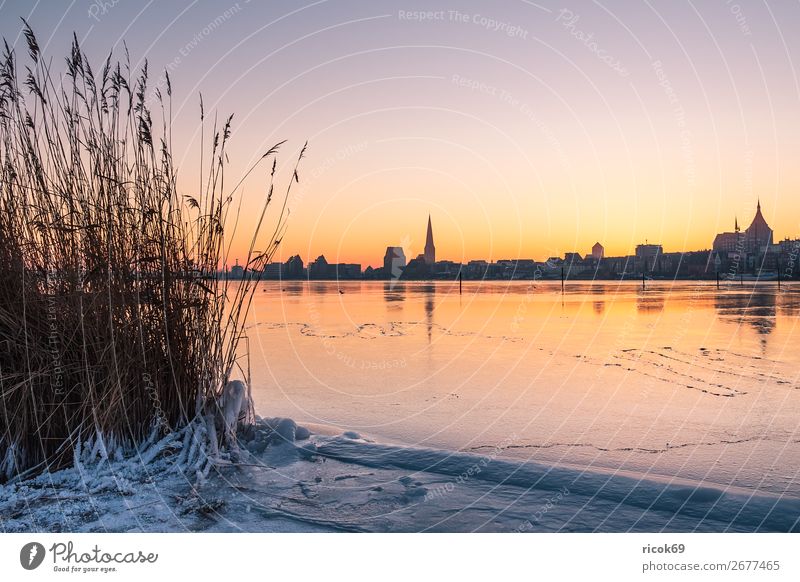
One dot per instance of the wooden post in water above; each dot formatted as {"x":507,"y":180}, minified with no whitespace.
{"x":717,"y":279}
{"x":643,"y":279}
{"x":779,"y":274}
{"x":459,"y":282}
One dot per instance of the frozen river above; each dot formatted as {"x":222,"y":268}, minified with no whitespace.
{"x":679,"y":381}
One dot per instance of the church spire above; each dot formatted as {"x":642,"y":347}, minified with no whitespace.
{"x":736,"y":224}
{"x":430,"y":248}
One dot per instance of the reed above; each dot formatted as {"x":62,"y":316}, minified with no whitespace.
{"x":113,"y":321}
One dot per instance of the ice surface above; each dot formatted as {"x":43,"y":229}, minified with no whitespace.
{"x":679,"y":380}
{"x":343,"y":483}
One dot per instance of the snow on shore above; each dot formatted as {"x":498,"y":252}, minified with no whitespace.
{"x":286,"y":479}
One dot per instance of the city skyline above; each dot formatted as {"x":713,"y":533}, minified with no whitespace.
{"x":719,"y":241}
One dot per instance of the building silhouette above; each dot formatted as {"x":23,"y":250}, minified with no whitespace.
{"x":418,"y":269}
{"x":751,"y":251}
{"x":237,"y":271}
{"x":322,"y":269}
{"x":756,"y":239}
{"x":293,"y":268}
{"x":758,"y":236}
{"x":394,"y":261}
{"x":430,"y":249}
{"x":729,"y":242}
{"x":647,"y":257}
{"x":319,"y":269}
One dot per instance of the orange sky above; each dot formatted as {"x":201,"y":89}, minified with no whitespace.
{"x":652,"y":122}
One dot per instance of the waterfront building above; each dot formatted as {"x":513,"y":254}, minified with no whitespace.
{"x":430,"y":249}
{"x":394,"y":261}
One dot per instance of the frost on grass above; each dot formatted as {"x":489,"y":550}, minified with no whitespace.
{"x":282,"y":477}
{"x":160,"y":486}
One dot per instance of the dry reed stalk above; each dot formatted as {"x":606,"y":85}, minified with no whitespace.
{"x":112,"y":318}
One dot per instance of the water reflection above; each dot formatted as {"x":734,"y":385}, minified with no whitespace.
{"x":429,"y":291}
{"x":394,"y":295}
{"x":789,"y":302}
{"x":755,"y":308}
{"x":294,"y":288}
{"x":649,"y":301}
{"x":597,"y":289}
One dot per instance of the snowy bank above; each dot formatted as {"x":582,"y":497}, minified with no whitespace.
{"x":283,"y":478}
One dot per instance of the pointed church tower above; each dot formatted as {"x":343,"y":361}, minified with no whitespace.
{"x":736,"y":224}
{"x":430,"y":249}
{"x":758,"y":235}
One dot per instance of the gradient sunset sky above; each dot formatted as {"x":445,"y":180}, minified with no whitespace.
{"x":525,"y":129}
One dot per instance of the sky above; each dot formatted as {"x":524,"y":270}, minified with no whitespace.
{"x":525,"y":130}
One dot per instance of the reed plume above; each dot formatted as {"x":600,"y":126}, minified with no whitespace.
{"x":113,"y":320}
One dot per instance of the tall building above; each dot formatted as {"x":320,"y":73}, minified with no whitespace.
{"x":758,"y":235}
{"x":729,"y":242}
{"x":598,"y":252}
{"x":430,"y":249}
{"x":237,"y":271}
{"x":647,"y":257}
{"x":319,"y":269}
{"x":293,"y":268}
{"x":273,"y":270}
{"x":322,"y":269}
{"x":753,"y":240}
{"x":347,"y":270}
{"x":394,"y":261}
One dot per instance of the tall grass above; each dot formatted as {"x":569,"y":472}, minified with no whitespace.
{"x":112,"y":320}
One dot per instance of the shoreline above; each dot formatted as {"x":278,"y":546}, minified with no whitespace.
{"x":347,"y":483}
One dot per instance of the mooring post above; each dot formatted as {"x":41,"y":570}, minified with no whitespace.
{"x":717,"y":279}
{"x":459,"y":282}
